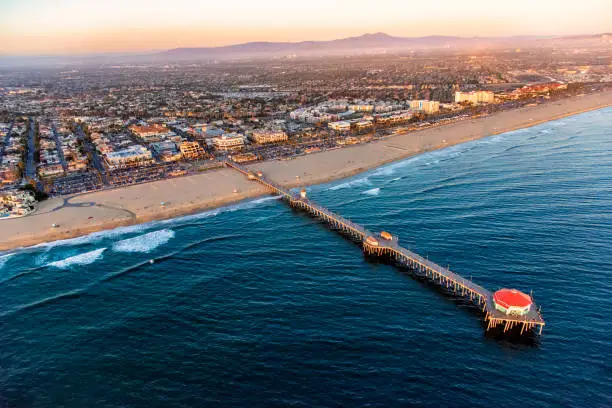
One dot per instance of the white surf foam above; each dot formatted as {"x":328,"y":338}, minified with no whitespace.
{"x":250,"y":204}
{"x":81,"y":259}
{"x":117,"y":232}
{"x":4,"y":259}
{"x":93,"y":237}
{"x":144,"y":243}
{"x":212,"y":213}
{"x":264,"y":200}
{"x":349,"y":184}
{"x":372,"y":192}
{"x":390,"y":169}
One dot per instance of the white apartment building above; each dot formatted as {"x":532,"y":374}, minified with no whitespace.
{"x":130,"y":156}
{"x":228,"y":141}
{"x":341,"y":126}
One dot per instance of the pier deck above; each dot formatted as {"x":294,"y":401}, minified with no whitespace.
{"x":384,"y":244}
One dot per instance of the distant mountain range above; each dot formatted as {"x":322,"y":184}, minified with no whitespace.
{"x":364,"y":44}
{"x":367,"y":43}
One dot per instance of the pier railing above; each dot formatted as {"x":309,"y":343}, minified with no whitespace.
{"x":383,"y":244}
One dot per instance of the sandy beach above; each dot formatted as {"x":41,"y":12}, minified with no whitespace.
{"x":86,"y":213}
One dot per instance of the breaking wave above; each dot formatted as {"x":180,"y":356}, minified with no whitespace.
{"x":263,"y":200}
{"x":213,"y":213}
{"x":94,"y":236}
{"x":81,"y":259}
{"x":144,"y":243}
{"x":4,"y":259}
{"x":353,"y":183}
{"x":372,"y":192}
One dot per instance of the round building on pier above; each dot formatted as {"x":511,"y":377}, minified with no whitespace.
{"x":512,"y":301}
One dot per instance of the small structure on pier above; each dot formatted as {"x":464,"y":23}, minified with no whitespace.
{"x":386,"y":236}
{"x":512,"y":301}
{"x":372,"y":241}
{"x":379,"y":244}
{"x":303,"y":193}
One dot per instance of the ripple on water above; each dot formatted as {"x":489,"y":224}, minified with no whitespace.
{"x":256,"y":302}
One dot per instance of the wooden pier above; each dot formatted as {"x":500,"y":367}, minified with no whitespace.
{"x":385,"y":244}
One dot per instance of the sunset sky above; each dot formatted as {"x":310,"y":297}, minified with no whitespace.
{"x":86,"y":26}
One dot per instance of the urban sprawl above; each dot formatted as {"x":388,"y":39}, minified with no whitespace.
{"x":79,"y":129}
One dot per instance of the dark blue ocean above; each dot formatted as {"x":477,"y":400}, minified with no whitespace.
{"x":259,"y":305}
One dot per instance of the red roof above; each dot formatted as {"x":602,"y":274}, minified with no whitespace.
{"x":512,"y":298}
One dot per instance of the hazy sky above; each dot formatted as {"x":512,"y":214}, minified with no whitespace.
{"x":81,"y":26}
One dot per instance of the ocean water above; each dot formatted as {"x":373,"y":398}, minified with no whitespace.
{"x":259,"y":305}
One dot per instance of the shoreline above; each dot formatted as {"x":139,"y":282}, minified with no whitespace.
{"x":86,"y":213}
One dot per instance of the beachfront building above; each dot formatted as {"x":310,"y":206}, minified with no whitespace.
{"x":512,"y":301}
{"x":135,"y":155}
{"x":393,"y":119}
{"x":475,"y":97}
{"x":362,"y":124}
{"x":341,"y":126}
{"x":361,"y":108}
{"x":166,"y":151}
{"x":191,"y":150}
{"x":228,"y":141}
{"x":312,"y":115}
{"x":268,"y":136}
{"x":151,"y":133}
{"x":426,"y":106}
{"x":244,"y":157}
{"x":16,"y":203}
{"x":530,"y":91}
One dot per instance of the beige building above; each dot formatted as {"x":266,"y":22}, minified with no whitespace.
{"x":268,"y":136}
{"x":425,"y":106}
{"x":191,"y":150}
{"x":152,"y":133}
{"x":475,"y":97}
{"x":363,"y":124}
{"x":361,"y":108}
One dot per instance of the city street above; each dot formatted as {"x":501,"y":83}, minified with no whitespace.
{"x":96,"y":161}
{"x":30,"y":168}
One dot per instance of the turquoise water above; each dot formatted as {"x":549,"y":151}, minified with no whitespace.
{"x":259,"y":305}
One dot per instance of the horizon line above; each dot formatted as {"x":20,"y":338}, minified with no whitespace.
{"x":159,"y":50}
